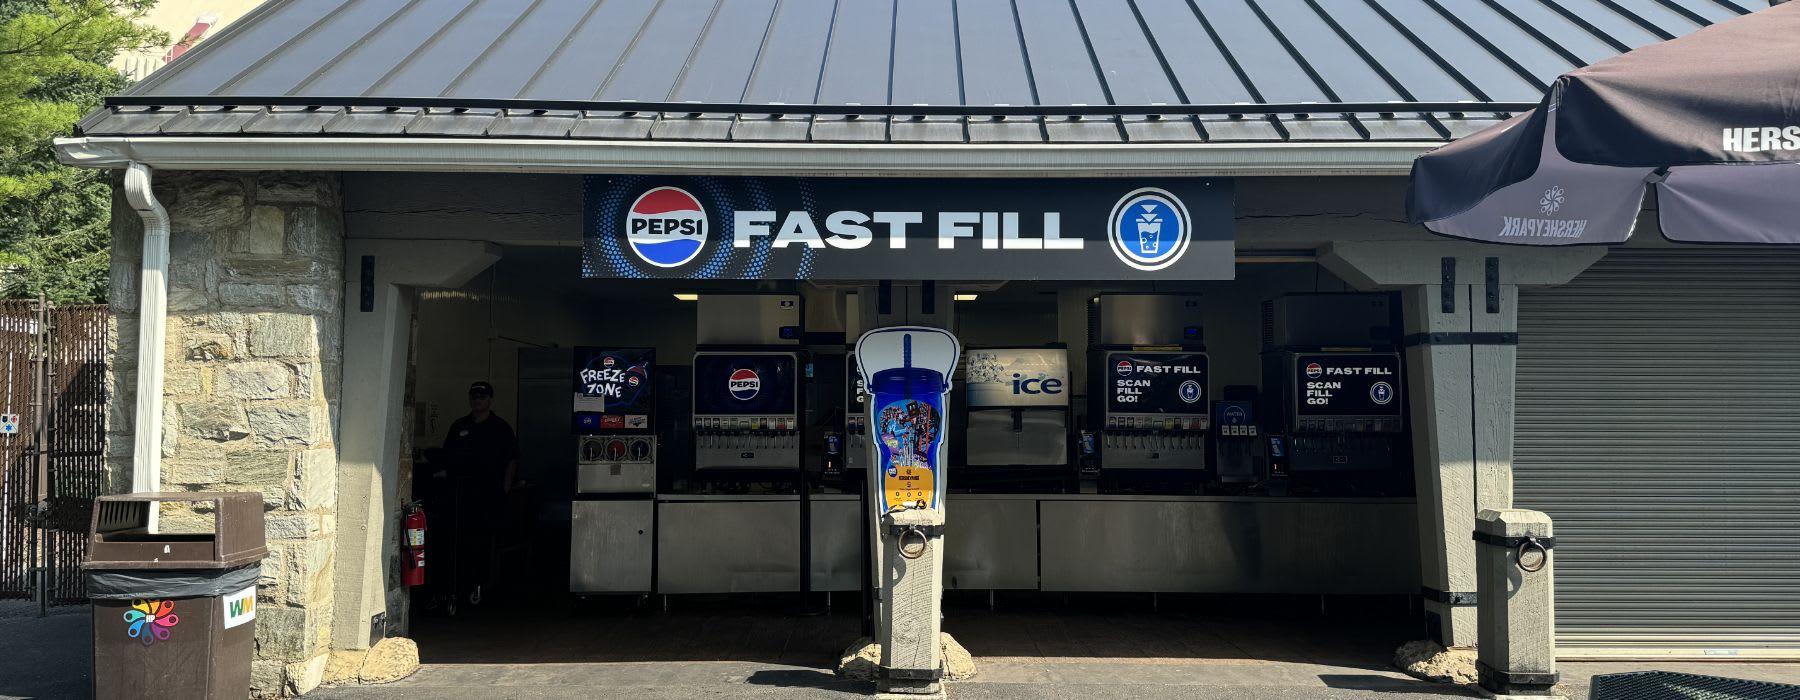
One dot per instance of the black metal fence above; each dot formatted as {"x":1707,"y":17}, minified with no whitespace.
{"x":52,"y":444}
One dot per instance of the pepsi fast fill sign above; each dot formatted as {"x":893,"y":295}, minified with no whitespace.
{"x":1347,"y":384}
{"x":861,"y":228}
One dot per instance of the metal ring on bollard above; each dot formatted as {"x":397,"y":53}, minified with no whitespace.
{"x":916,"y":548}
{"x":1542,"y":558}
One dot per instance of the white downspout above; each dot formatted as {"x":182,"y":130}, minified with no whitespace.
{"x":153,"y":311}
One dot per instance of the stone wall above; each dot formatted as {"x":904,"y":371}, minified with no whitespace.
{"x":253,"y":364}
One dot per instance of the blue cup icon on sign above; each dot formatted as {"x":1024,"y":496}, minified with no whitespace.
{"x":1149,"y":228}
{"x":1381,"y":393}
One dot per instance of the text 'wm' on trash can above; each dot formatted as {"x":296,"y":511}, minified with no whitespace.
{"x":175,"y":608}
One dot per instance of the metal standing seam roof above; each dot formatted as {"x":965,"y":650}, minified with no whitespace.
{"x":895,"y":71}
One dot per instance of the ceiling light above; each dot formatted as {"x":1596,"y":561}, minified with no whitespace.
{"x":964,"y":297}
{"x":687,"y":296}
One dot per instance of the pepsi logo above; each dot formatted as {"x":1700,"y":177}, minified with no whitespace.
{"x":744,"y":384}
{"x":631,"y":380}
{"x":666,"y":227}
{"x":1313,"y":370}
{"x":1124,"y":367}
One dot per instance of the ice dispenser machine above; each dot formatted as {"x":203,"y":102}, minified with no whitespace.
{"x":1018,"y":407}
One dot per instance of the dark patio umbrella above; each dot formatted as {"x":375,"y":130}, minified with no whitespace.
{"x":1712,"y":119}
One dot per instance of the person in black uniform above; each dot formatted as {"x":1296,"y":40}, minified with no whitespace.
{"x":484,"y":456}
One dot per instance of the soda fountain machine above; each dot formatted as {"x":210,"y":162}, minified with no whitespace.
{"x":1334,"y":364}
{"x":1149,"y":390}
{"x":747,"y":382}
{"x":612,"y":518}
{"x":746,"y":410}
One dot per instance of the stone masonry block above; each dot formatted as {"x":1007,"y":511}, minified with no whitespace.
{"x":193,"y":259}
{"x":307,"y":383}
{"x":250,"y":295}
{"x":268,"y":679}
{"x":287,"y":423}
{"x":315,"y":480}
{"x":205,"y":202}
{"x":258,"y":467}
{"x":284,"y":335}
{"x":185,"y":298}
{"x":182,"y":382}
{"x":265,"y":233}
{"x":290,"y":187}
{"x":218,"y":421}
{"x":304,"y":676}
{"x":281,"y":632}
{"x":304,"y":234}
{"x":290,"y":526}
{"x":254,"y":380}
{"x":272,"y":270}
{"x":207,"y":345}
{"x":193,"y":472}
{"x":313,"y":297}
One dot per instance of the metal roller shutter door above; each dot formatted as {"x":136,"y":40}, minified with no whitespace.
{"x":1659,"y":425}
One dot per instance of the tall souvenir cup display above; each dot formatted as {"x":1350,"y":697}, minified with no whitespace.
{"x":907,"y":374}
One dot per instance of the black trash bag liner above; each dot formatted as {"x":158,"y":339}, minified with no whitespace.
{"x":125,"y":584}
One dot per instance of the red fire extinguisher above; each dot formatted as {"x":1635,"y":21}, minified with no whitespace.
{"x":413,"y":561}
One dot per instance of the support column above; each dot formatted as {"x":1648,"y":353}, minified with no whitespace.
{"x":1461,"y":330}
{"x":380,"y":279}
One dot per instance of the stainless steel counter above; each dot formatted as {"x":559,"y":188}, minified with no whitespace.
{"x":1302,"y":546}
{"x":717,"y":543}
{"x":751,"y":543}
{"x":748,"y":498}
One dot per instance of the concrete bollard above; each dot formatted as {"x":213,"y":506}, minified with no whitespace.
{"x":911,"y":653}
{"x":1515,"y":617}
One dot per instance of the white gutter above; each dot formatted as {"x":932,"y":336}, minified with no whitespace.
{"x":735,"y":158}
{"x":153,"y":311}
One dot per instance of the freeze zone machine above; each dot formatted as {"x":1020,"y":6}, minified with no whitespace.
{"x":1335,"y":366}
{"x":613,"y":514}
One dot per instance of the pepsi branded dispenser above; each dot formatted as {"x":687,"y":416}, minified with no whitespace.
{"x":1333,"y":365}
{"x":746,"y":410}
{"x":747,"y":382}
{"x":1154,"y":413}
{"x":1149,"y":388}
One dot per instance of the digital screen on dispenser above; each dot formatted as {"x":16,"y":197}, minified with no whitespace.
{"x":1164,"y":383}
{"x":1347,"y":384}
{"x":745,"y":385}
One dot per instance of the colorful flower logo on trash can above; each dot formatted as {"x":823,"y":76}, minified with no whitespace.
{"x":151,"y":620}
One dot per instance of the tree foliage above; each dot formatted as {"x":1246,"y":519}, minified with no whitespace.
{"x":54,"y":233}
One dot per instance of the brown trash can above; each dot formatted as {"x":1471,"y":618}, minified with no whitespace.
{"x":174,"y":613}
